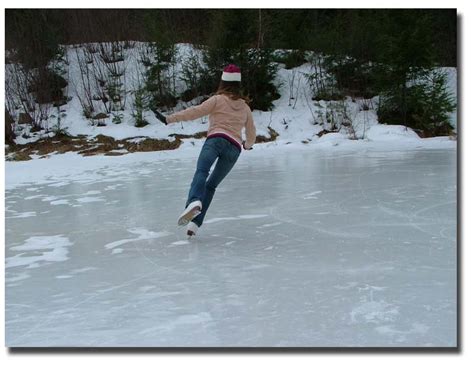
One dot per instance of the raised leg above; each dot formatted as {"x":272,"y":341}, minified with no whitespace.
{"x":223,"y":166}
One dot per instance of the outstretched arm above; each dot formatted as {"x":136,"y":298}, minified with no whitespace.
{"x":195,"y":112}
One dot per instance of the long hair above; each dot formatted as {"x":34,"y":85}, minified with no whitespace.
{"x":232,"y":89}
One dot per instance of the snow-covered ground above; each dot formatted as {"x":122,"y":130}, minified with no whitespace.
{"x":295,"y":117}
{"x":330,"y":243}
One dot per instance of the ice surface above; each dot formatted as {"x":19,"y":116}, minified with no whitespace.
{"x":314,"y":248}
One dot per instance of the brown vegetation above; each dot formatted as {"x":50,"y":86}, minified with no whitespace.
{"x":102,"y":144}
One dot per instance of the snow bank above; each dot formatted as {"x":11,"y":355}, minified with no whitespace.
{"x":390,"y":133}
{"x":63,"y":169}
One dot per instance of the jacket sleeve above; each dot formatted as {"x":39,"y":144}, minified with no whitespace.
{"x":195,"y":112}
{"x":250,"y":132}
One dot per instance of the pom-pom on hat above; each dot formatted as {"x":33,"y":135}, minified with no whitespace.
{"x":231,"y":73}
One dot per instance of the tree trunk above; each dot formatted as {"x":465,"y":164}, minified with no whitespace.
{"x":9,"y":134}
{"x":404,"y":102}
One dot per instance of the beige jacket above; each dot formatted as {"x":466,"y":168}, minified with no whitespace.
{"x":226,"y":116}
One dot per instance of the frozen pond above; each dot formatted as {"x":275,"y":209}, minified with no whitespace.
{"x":300,"y":249}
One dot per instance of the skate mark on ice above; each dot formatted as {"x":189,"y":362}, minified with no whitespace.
{"x":319,"y":229}
{"x":161,"y":266}
{"x":74,"y":272}
{"x":248,"y":217}
{"x":374,"y":312}
{"x":269,"y":225}
{"x":50,"y":318}
{"x":417,"y":213}
{"x":311,"y":196}
{"x":182,"y":320}
{"x":240,"y":217}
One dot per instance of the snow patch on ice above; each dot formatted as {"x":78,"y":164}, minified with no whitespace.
{"x":112,"y":187}
{"x":50,"y":198}
{"x":82,"y":270}
{"x":59,"y":202}
{"x":22,"y":215}
{"x":59,"y":184}
{"x":89,"y":199}
{"x":33,"y":197}
{"x":52,"y":249}
{"x":269,"y":225}
{"x":91,"y":192}
{"x":143,"y":234}
{"x":180,"y":242}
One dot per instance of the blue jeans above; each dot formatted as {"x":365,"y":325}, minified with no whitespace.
{"x":204,"y":185}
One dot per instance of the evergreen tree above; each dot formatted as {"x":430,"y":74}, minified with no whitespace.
{"x":237,"y":37}
{"x":160,"y":74}
{"x":407,"y":64}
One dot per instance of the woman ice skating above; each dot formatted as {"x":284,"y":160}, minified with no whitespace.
{"x":228,"y":115}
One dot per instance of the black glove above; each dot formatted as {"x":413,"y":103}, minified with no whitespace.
{"x":161,"y":117}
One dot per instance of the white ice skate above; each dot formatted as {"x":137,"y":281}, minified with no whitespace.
{"x":193,"y":209}
{"x":192,"y":229}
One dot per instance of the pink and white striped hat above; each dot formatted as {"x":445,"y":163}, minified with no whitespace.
{"x":231,"y":73}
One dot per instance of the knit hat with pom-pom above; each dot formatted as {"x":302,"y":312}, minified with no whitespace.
{"x":231,"y":73}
